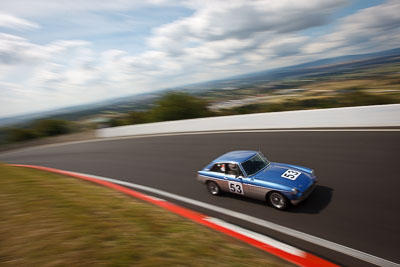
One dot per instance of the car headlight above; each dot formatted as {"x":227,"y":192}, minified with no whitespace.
{"x":295,"y":191}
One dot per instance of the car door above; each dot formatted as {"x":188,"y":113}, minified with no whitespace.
{"x":253,"y":189}
{"x":235,"y":179}
{"x":250,"y":187}
{"x":235,"y":184}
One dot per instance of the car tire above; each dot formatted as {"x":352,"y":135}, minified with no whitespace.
{"x":278,"y":200}
{"x":213,"y":188}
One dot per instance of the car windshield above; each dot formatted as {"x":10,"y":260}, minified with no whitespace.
{"x":255,"y":164}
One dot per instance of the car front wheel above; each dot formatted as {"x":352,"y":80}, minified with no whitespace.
{"x":213,"y":188}
{"x":278,"y":200}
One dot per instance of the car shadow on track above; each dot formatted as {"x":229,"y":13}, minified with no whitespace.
{"x":314,"y":204}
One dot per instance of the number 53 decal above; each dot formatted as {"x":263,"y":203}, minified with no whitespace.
{"x":236,"y":187}
{"x":291,"y":175}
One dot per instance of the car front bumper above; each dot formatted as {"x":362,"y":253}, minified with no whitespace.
{"x":305,"y":195}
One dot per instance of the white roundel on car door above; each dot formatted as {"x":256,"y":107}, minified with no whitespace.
{"x":236,"y":187}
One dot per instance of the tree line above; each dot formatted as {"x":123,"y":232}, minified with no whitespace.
{"x":40,"y":128}
{"x":172,"y":106}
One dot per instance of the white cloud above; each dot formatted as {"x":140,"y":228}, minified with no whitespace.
{"x":15,"y":50}
{"x":249,"y":33}
{"x":221,"y":20}
{"x":42,"y":75}
{"x":373,"y":28}
{"x":42,"y":8}
{"x":13,"y":22}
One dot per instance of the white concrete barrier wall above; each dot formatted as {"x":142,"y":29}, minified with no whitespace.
{"x":366,"y":116}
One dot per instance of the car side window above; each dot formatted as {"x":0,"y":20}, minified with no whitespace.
{"x":233,"y":169}
{"x":219,"y":167}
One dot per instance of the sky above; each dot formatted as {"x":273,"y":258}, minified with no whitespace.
{"x":59,"y":53}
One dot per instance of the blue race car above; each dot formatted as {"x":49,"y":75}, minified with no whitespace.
{"x":250,"y":174}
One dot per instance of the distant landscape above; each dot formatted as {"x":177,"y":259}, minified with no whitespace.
{"x":368,"y":79}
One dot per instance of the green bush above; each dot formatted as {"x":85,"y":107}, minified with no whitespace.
{"x":137,"y":117}
{"x":20,"y":135}
{"x":179,"y":106}
{"x":51,"y":127}
{"x":115,"y":122}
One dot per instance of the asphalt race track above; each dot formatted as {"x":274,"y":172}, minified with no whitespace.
{"x":356,"y":203}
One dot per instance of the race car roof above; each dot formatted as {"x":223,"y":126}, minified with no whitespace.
{"x":236,"y":156}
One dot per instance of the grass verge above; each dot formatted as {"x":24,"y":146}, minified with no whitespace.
{"x":48,"y":219}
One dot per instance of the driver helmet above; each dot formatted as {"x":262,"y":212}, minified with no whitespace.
{"x":223,"y":167}
{"x":233,"y":167}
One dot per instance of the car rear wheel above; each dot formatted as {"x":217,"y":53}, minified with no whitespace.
{"x":278,"y":200}
{"x":213,"y":188}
